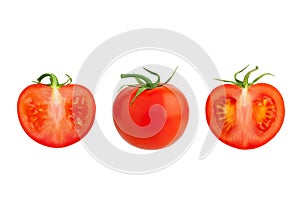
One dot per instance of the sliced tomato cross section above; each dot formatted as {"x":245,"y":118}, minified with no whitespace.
{"x":245,"y":115}
{"x":56,"y":115}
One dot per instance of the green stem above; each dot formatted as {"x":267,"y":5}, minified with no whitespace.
{"x":53,"y":80}
{"x":155,"y":74}
{"x":246,"y":78}
{"x":245,"y":83}
{"x":144,"y":83}
{"x":235,"y":75}
{"x":170,"y":76}
{"x":138,"y":76}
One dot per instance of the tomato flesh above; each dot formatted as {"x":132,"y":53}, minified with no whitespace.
{"x":245,"y":118}
{"x":56,"y":117}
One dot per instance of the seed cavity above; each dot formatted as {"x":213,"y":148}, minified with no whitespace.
{"x":76,"y":110}
{"x":264,"y":112}
{"x":225,"y":112}
{"x":36,"y":114}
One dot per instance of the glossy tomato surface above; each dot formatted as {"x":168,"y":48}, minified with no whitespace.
{"x":156,"y":119}
{"x":245,"y":118}
{"x":56,"y":117}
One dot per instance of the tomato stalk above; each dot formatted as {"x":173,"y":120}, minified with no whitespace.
{"x":245,"y":83}
{"x":144,"y":83}
{"x":53,"y":80}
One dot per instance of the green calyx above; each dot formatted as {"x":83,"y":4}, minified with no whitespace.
{"x":245,"y":83}
{"x":53,"y":80}
{"x":144,"y":83}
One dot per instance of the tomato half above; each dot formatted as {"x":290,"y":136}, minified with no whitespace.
{"x":56,"y":116}
{"x":153,"y":119}
{"x":245,"y":117}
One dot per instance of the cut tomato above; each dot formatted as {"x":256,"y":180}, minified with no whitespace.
{"x":245,"y":115}
{"x":56,"y":115}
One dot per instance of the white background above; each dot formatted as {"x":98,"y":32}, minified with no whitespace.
{"x":58,"y":36}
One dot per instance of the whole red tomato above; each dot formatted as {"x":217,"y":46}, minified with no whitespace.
{"x":150,"y":115}
{"x":56,"y":115}
{"x":245,"y":115}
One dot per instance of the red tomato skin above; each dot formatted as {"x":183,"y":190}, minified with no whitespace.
{"x":244,"y":133}
{"x":176,"y":111}
{"x":48,"y":116}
